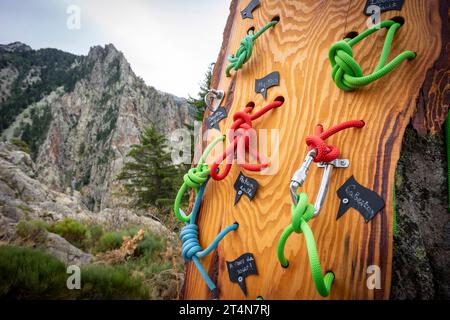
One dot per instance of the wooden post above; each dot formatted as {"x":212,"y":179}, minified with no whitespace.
{"x":298,"y":47}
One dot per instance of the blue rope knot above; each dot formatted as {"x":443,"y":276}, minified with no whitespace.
{"x":191,"y":249}
{"x":191,"y":245}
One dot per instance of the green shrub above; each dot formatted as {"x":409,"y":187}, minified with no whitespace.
{"x":150,"y":244}
{"x":24,"y":208}
{"x":113,"y":240}
{"x":147,"y":246}
{"x":33,"y":230}
{"x":150,"y":266}
{"x":17,"y":132}
{"x":34,"y":133}
{"x":71,"y":230}
{"x":105,"y":282}
{"x":22,"y":145}
{"x":94,"y":232}
{"x":110,"y":241}
{"x":30,"y":274}
{"x":93,"y":235}
{"x":86,"y":177}
{"x":81,"y":149}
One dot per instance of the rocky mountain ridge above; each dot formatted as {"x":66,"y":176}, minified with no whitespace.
{"x":81,"y":131}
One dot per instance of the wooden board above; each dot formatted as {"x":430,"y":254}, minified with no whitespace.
{"x":298,"y":48}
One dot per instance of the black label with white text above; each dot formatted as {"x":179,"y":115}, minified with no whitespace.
{"x":353,"y":195}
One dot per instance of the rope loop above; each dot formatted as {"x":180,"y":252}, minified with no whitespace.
{"x":242,"y":129}
{"x":303,"y":211}
{"x":348,"y":74}
{"x":245,"y":49}
{"x":191,"y":248}
{"x":325,"y":152}
{"x":301,"y":214}
{"x":242,"y":120}
{"x":193,"y":179}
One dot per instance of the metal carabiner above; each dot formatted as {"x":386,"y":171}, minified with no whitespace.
{"x":212,"y":96}
{"x":326,"y":177}
{"x":299,"y":178}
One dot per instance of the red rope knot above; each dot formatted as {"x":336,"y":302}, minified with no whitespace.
{"x":242,"y":129}
{"x":241,"y":126}
{"x":325,"y":152}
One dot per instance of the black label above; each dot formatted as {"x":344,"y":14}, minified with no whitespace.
{"x":245,"y":185}
{"x":353,"y":195}
{"x":247,"y":12}
{"x":212,"y":122}
{"x":384,"y":5}
{"x":261,"y":85}
{"x":241,"y":268}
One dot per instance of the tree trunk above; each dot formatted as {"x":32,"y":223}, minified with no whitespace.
{"x":416,"y":93}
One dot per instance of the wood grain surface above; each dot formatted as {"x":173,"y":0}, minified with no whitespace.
{"x":298,"y":47}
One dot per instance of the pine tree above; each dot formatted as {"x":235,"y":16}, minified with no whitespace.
{"x":150,"y":176}
{"x":199,"y":102}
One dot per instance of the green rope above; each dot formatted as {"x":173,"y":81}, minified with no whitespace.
{"x":347,"y":73}
{"x":194,"y":179}
{"x":447,"y":141}
{"x":301,"y":214}
{"x":245,"y":50}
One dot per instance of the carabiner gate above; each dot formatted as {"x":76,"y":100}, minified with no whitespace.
{"x":299,"y":178}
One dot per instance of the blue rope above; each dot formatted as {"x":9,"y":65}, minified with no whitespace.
{"x":191,"y":249}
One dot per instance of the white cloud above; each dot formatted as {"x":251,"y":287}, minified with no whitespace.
{"x":169,"y":44}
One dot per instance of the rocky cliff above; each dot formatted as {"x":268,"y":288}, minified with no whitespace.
{"x":23,"y":196}
{"x":90,"y":110}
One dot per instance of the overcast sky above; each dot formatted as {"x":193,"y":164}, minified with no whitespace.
{"x":169,"y":43}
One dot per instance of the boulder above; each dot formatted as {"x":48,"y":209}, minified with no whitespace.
{"x":66,"y":252}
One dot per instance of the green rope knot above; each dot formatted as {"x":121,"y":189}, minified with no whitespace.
{"x":245,"y":50}
{"x":301,"y":214}
{"x":347,"y":73}
{"x":193,"y":179}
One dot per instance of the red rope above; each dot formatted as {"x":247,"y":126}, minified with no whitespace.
{"x":241,"y":130}
{"x":327,"y":153}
